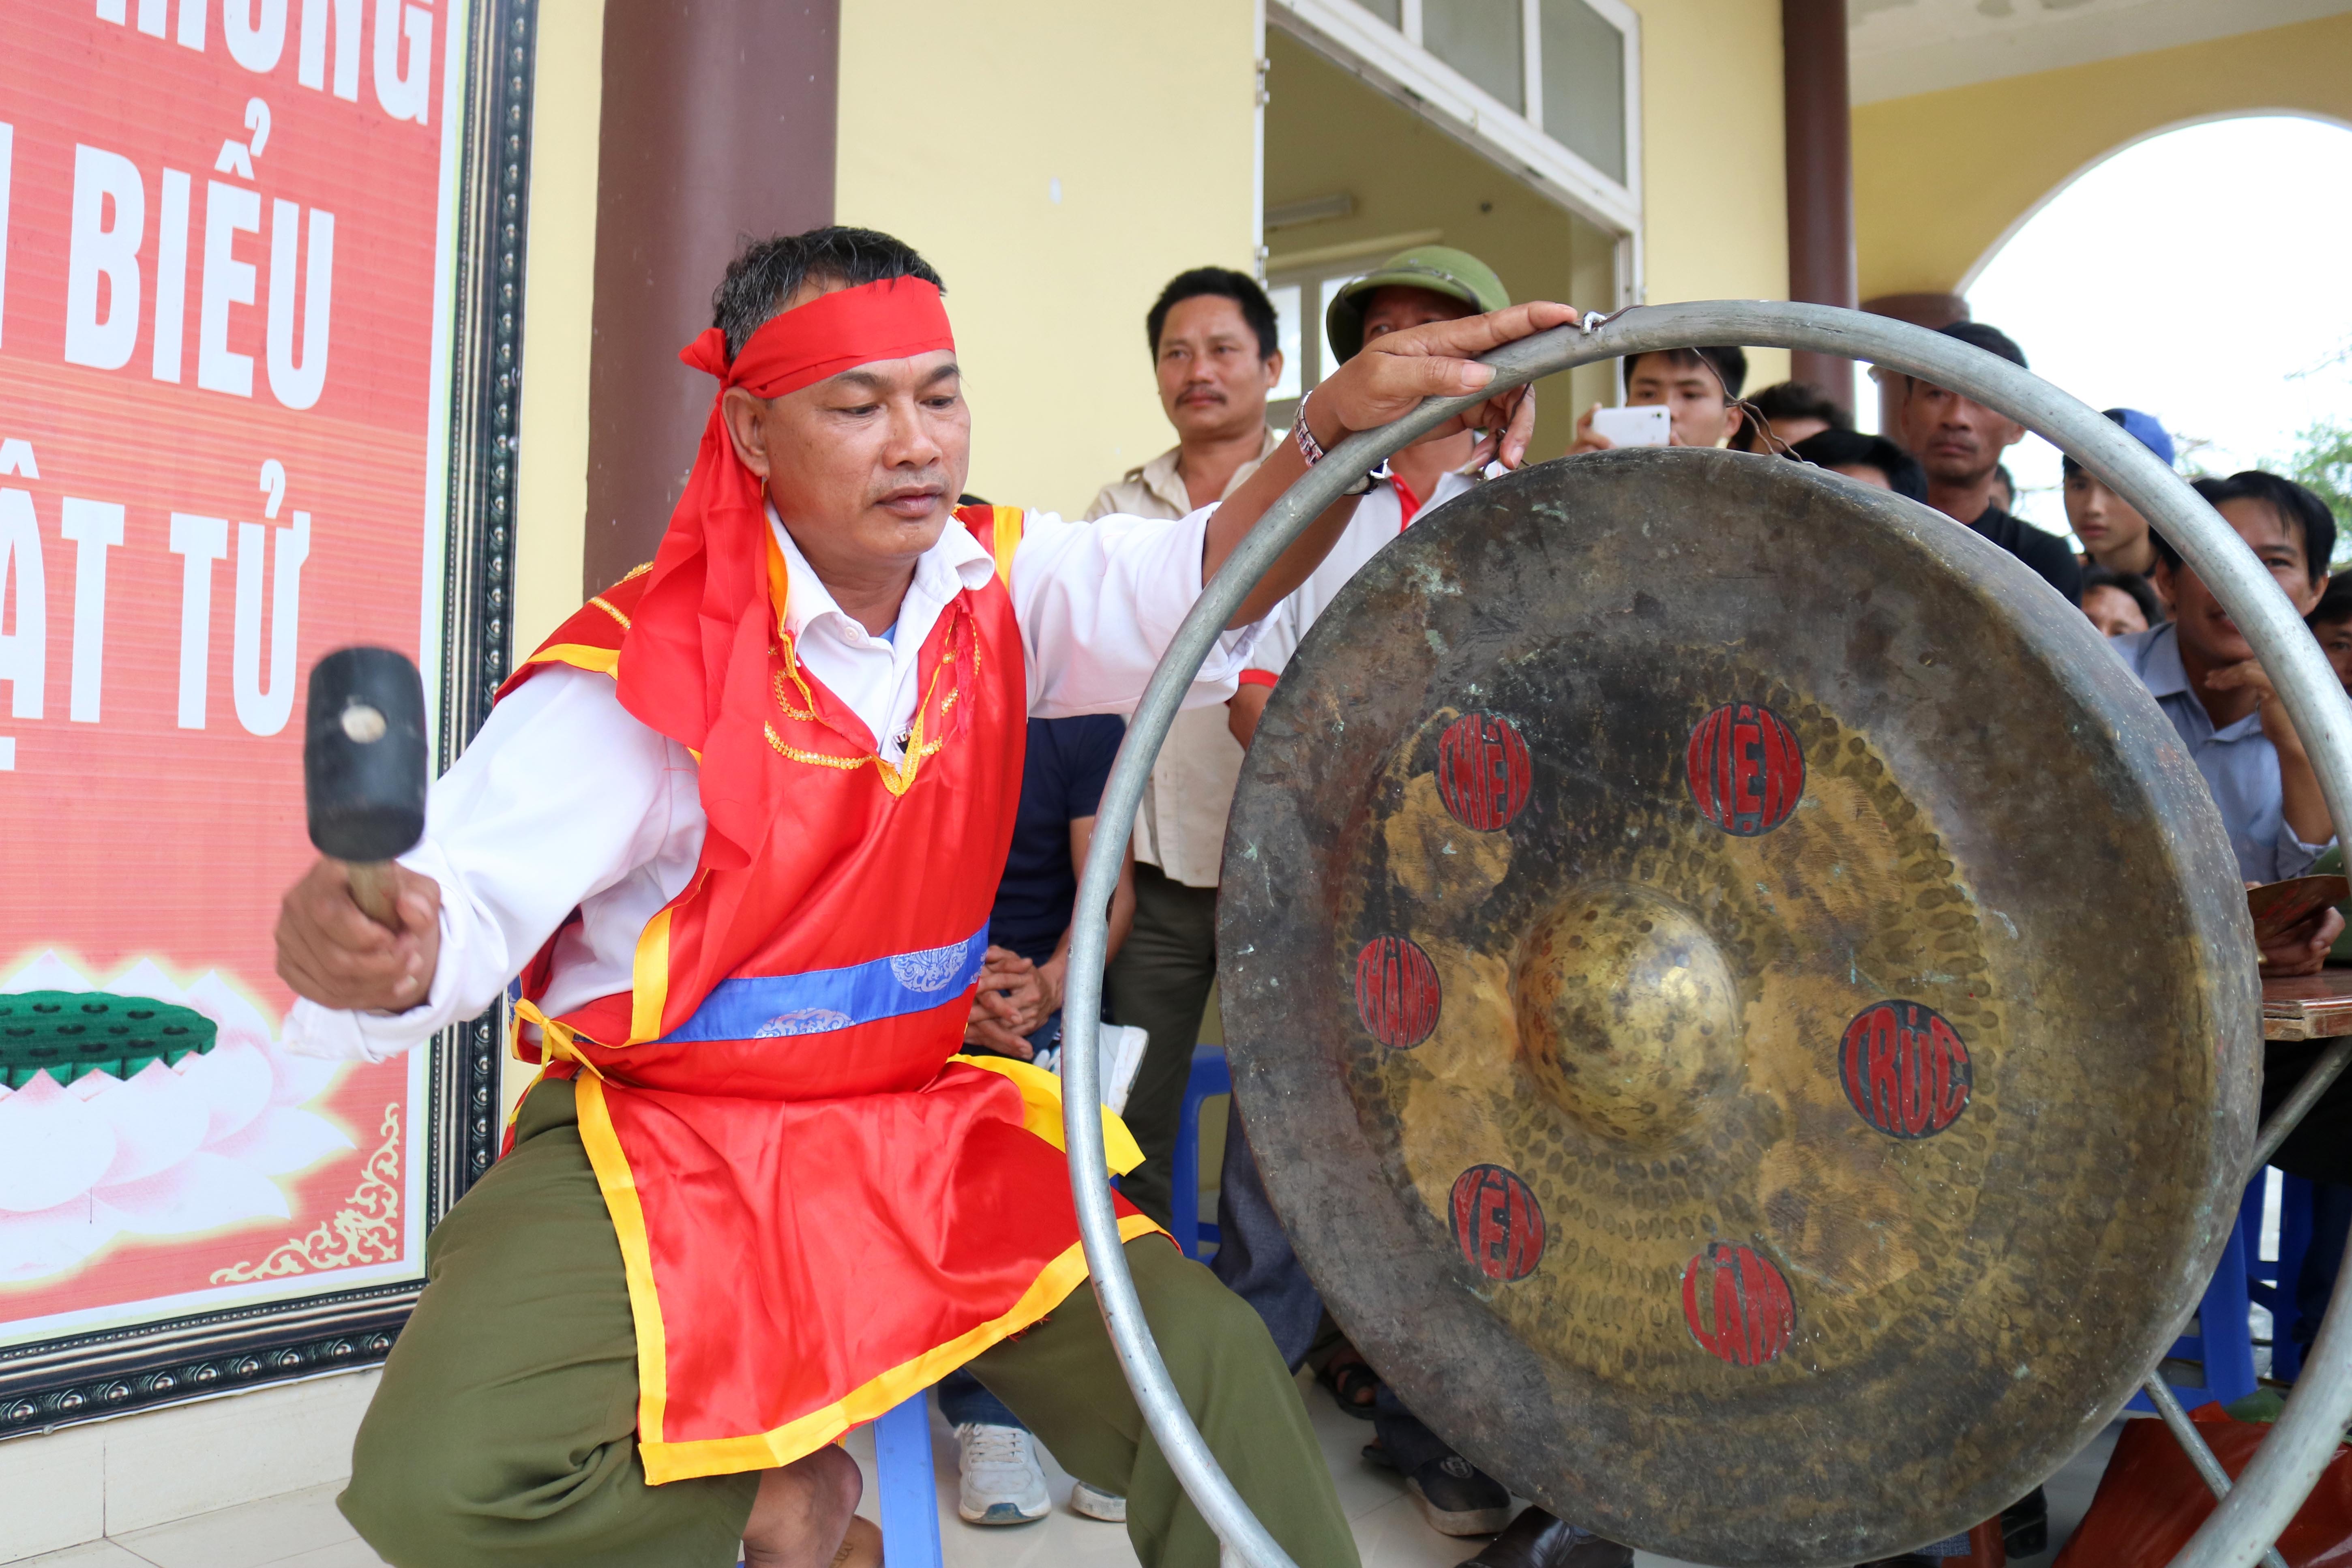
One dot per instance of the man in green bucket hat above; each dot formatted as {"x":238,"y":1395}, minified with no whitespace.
{"x":1427,"y":283}
{"x":1436,"y":269}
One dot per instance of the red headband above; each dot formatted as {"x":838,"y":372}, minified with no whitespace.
{"x":898,"y":318}
{"x":695,"y":661}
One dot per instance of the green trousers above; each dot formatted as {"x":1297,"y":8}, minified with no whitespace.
{"x":504,"y":1431}
{"x":1159,"y":984}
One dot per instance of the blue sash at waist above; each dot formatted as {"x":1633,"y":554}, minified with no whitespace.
{"x":769,"y":1007}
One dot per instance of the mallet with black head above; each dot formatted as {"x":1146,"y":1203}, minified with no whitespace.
{"x":363,"y":768}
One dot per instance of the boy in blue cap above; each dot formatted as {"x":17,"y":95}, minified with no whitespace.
{"x":2112,"y":532}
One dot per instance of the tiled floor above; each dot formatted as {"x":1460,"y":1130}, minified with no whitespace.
{"x":299,"y":1529}
{"x":302,"y":1530}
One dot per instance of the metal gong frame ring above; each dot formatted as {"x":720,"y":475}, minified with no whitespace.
{"x":2255,"y":1510}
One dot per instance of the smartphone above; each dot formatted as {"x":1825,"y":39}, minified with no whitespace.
{"x":1648,"y":425}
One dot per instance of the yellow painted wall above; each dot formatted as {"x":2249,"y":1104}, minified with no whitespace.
{"x":558,"y":295}
{"x":1715,"y":194}
{"x":1147,"y":117}
{"x":1940,"y":178}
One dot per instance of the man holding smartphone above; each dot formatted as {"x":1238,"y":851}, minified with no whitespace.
{"x":1698,"y":389}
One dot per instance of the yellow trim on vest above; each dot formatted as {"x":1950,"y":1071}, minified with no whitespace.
{"x":580,"y":655}
{"x":868,"y":1401}
{"x":619,"y":1185}
{"x":557,"y":1040}
{"x":1041,"y":1110}
{"x":780,"y":586}
{"x":649,"y":979}
{"x":1004,"y":538}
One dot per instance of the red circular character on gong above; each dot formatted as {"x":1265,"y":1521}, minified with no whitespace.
{"x":1905,"y":1070}
{"x":1482,"y":769}
{"x":1737,"y":1304}
{"x":1396,"y":991}
{"x":1496,"y":1222}
{"x":1746,"y":769}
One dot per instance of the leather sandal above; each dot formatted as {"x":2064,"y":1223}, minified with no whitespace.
{"x":1353,"y":1384}
{"x":862,"y":1547}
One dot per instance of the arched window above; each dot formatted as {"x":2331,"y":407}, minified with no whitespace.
{"x":2199,"y":275}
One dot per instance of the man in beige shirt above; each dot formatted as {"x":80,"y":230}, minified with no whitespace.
{"x":1214,"y":344}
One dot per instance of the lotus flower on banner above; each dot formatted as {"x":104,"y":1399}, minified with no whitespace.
{"x":172,"y":1149}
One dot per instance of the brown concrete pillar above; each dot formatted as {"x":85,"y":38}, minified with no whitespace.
{"x":1933,"y":311}
{"x":718,"y":122}
{"x":1819,"y":136}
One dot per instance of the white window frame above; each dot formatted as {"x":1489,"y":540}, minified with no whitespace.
{"x":1312,"y":274}
{"x":1394,"y":61}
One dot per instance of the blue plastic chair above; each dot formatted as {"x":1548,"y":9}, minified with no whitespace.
{"x":1210,"y":1078}
{"x":904,"y":1486}
{"x":2273,"y":1280}
{"x":2224,"y":1344}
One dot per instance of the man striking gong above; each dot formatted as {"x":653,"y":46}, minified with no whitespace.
{"x":736,"y":826}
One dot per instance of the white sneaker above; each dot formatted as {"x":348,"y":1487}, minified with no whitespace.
{"x":1001,"y":1482}
{"x":1096,"y":1503}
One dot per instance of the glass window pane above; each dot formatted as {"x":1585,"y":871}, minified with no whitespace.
{"x":1480,"y":38}
{"x":1286,"y":313}
{"x":1324,"y":365}
{"x":1388,"y":11}
{"x":1584,"y":85}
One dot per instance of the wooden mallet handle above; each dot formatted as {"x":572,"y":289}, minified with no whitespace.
{"x":376,"y":890}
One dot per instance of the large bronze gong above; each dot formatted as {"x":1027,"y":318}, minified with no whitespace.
{"x":1742,"y":1003}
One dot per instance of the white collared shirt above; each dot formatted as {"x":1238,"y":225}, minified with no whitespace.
{"x":1179,"y":825}
{"x":2239,"y":764}
{"x":1380,"y":517}
{"x":565,"y":801}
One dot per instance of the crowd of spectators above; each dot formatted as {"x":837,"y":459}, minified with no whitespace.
{"x":1215,"y":351}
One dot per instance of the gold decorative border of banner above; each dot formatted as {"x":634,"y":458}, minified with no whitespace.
{"x":366,"y":1229}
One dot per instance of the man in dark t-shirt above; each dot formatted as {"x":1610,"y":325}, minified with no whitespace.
{"x":1018,"y":1013}
{"x":1959,"y":442}
{"x":1018,"y":1010}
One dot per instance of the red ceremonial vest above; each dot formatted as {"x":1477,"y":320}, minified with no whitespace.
{"x":822,"y":1207}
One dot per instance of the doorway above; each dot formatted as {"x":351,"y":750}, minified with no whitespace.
{"x":1352,"y":176}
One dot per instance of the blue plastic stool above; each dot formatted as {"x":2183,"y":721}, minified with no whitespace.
{"x":904,"y":1485}
{"x":2273,"y":1282}
{"x":1209,"y":1077}
{"x":2224,"y":1344}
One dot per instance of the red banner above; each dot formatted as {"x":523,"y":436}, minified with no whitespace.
{"x":223,"y":238}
